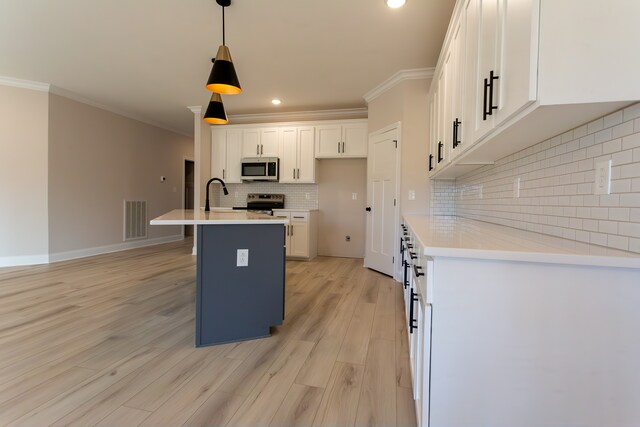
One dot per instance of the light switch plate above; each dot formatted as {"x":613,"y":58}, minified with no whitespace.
{"x":516,"y":188}
{"x":412,"y":194}
{"x":243,"y":258}
{"x":603,"y":178}
{"x":354,"y":196}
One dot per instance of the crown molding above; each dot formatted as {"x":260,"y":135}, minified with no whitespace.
{"x":346,"y":113}
{"x":25,"y":84}
{"x":75,"y":97}
{"x":400,"y":76}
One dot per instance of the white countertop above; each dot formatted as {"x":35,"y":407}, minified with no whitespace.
{"x":294,"y":210}
{"x":465,"y":238}
{"x":215,"y":217}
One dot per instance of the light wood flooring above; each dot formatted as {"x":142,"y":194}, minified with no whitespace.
{"x":108,"y":341}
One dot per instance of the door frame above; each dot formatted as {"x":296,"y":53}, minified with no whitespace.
{"x":397,"y":126}
{"x":186,"y":159}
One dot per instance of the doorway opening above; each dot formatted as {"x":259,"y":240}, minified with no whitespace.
{"x":187,"y":203}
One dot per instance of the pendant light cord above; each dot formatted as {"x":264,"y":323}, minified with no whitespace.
{"x":223,"y":41}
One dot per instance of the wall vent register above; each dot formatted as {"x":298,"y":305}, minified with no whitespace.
{"x":135,"y":219}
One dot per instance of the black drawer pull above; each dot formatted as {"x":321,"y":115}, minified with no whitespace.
{"x":405,"y":278}
{"x":430,"y":162}
{"x":414,"y":298}
{"x":413,"y":255}
{"x":416,"y":270}
{"x":440,"y":158}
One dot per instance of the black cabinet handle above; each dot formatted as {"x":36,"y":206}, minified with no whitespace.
{"x":488,"y":106}
{"x":412,"y":321}
{"x":440,"y":152}
{"x":405,"y":276}
{"x":430,"y":162}
{"x":368,"y":209}
{"x":416,"y":270}
{"x":410,"y":245}
{"x":456,"y":127}
{"x":412,"y":255}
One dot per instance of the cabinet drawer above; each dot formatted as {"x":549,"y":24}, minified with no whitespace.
{"x":299,"y":216}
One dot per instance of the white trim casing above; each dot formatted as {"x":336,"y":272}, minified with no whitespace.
{"x":24,"y":84}
{"x":400,"y":76}
{"x":339,"y":114}
{"x":100,"y":250}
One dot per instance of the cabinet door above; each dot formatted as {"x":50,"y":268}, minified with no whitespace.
{"x":251,"y":142}
{"x":425,"y":364}
{"x":234,"y":156}
{"x":299,"y":235}
{"x":288,"y":154}
{"x":306,"y":157}
{"x":328,"y":141}
{"x":287,"y":238}
{"x":488,"y":36}
{"x":354,"y":138}
{"x":456,"y":85}
{"x":218,"y":152}
{"x":519,"y":57}
{"x":269,"y":141}
{"x":433,"y":132}
{"x":440,"y":147}
{"x":472,"y":87}
{"x":447,"y":122}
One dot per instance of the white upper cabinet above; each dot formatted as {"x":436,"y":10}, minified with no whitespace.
{"x":226,"y":153}
{"x":260,"y":142}
{"x":297,"y":162}
{"x":348,"y":139}
{"x":517,"y":72}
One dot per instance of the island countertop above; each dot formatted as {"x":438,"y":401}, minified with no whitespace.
{"x":215,"y":217}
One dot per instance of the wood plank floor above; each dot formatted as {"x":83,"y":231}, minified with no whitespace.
{"x":108,"y":341}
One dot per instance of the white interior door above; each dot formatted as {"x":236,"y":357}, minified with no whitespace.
{"x":381,"y":202}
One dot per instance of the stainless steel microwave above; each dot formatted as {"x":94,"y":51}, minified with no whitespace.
{"x":260,"y":169}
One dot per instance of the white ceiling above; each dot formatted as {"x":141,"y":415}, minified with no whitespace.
{"x":151,"y":58}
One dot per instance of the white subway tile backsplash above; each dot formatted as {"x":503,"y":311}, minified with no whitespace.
{"x":618,"y":242}
{"x":631,"y":141}
{"x":613,"y":119}
{"x":612,"y":146}
{"x":595,"y":125}
{"x":557,"y":179}
{"x":623,"y":129}
{"x":632,"y":112}
{"x":295,"y":195}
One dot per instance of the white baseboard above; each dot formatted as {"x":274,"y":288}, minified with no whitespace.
{"x":99,"y":250}
{"x":16,"y":261}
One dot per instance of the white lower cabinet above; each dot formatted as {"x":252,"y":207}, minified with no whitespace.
{"x":301,"y":233}
{"x":418,"y":315}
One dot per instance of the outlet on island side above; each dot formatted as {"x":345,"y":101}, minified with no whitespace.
{"x":242,"y":258}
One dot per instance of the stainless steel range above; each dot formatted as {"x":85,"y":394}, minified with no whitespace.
{"x":264,"y":203}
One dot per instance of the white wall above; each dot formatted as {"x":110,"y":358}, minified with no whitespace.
{"x":407,"y":103}
{"x":24,"y":237}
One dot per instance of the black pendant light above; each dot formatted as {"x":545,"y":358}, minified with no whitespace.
{"x":215,"y":113}
{"x":223,"y":78}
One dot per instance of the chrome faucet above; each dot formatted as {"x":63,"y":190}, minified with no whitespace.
{"x":224,"y":189}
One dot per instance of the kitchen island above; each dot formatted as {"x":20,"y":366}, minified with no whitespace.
{"x":240,"y":273}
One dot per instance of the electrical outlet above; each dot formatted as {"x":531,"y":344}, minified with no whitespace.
{"x":516,"y":188}
{"x":307,"y":196}
{"x":354,"y":196}
{"x":412,"y":194}
{"x":242,"y":258}
{"x":603,"y":178}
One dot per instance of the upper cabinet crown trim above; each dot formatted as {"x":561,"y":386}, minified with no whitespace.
{"x":400,"y":76}
{"x":345,"y":113}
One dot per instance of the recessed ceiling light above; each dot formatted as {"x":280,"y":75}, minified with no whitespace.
{"x":276,"y":101}
{"x":394,"y":4}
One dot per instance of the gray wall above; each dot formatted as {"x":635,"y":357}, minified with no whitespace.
{"x":23,"y":176}
{"x":97,"y":159}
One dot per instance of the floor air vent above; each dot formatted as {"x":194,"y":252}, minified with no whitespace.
{"x":135,"y":219}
